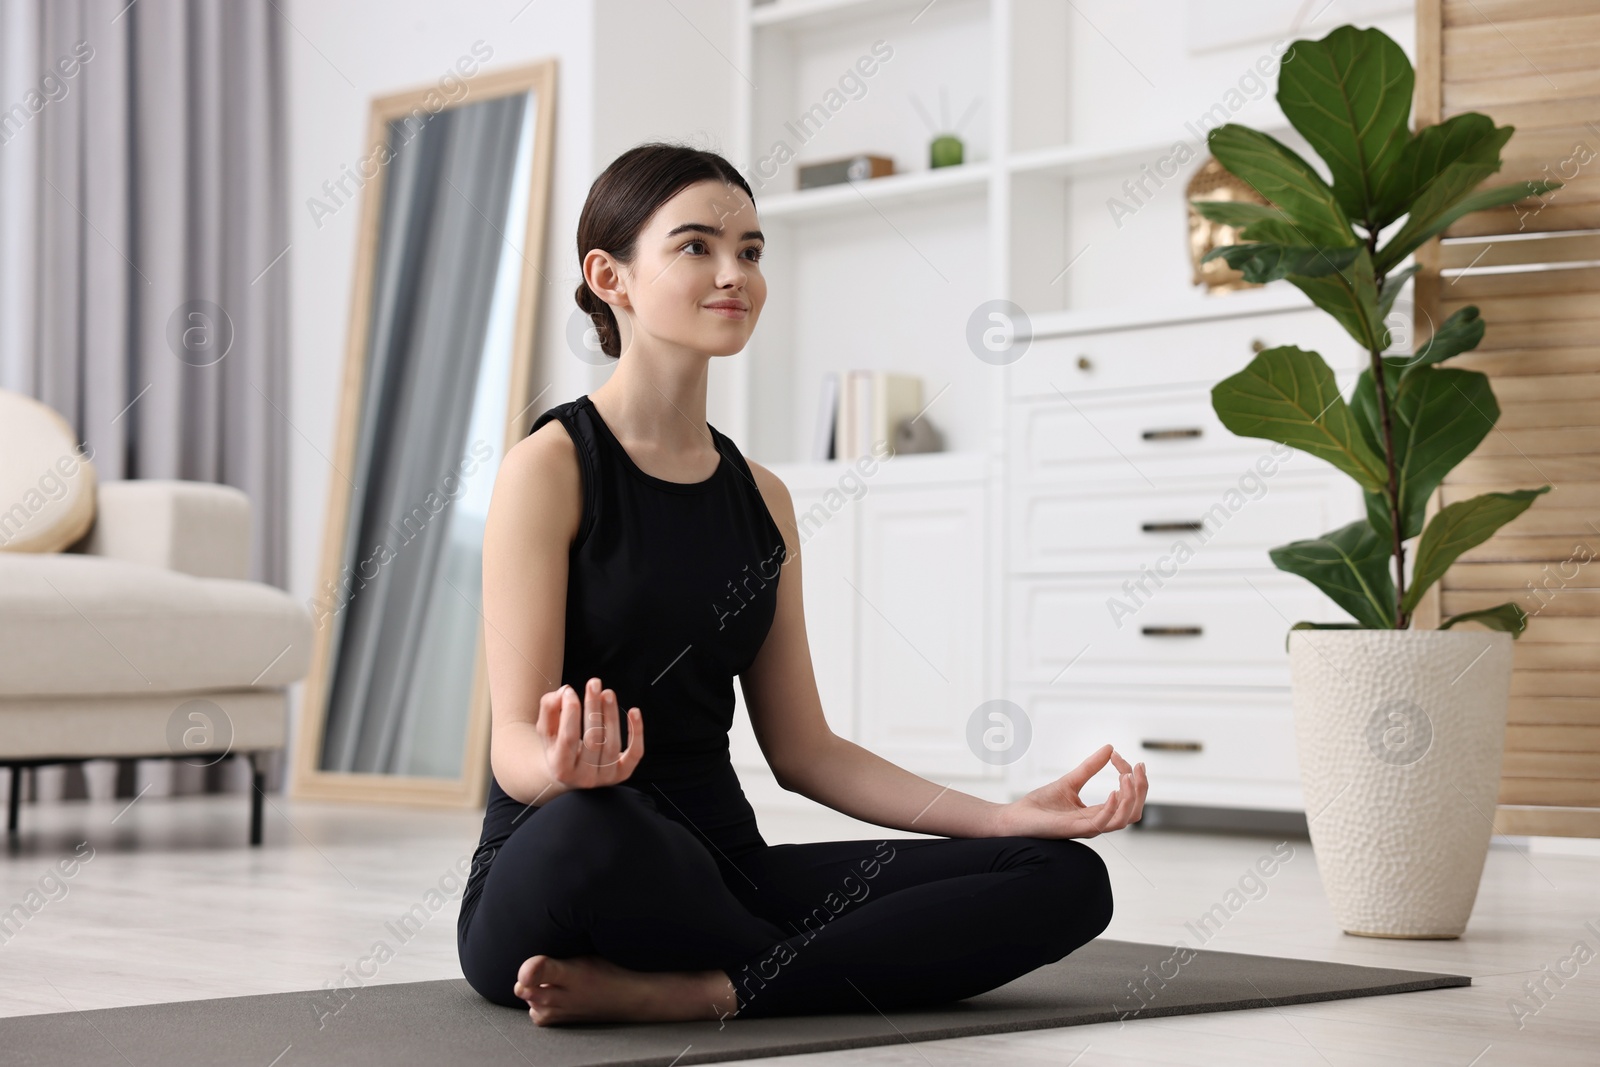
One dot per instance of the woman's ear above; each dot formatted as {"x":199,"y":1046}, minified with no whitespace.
{"x":604,"y":276}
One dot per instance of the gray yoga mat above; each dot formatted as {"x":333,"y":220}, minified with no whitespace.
{"x":445,"y":1022}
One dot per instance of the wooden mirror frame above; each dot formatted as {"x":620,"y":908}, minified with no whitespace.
{"x":308,"y":780}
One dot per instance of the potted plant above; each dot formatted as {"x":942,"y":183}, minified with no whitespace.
{"x":1399,"y":731}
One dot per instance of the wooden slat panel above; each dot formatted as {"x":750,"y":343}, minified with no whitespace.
{"x":1574,"y":792}
{"x":1528,"y":308}
{"x":1535,"y":216}
{"x":1555,"y":332}
{"x":1513,"y":547}
{"x":1548,"y":387}
{"x":1554,"y":711}
{"x":1523,"y":34}
{"x":1523,"y":473}
{"x":1535,"y":115}
{"x":1576,"y":765}
{"x":1547,"y":821}
{"x":1551,"y":601}
{"x":1548,"y":56}
{"x":1530,"y":64}
{"x":1555,"y":683}
{"x":1514,"y":577}
{"x":1481,"y":255}
{"x":1486,"y":94}
{"x":1568,"y":150}
{"x":1484,"y":12}
{"x":1530,"y":657}
{"x":1555,"y":738}
{"x":1475,"y":286}
{"x":1528,"y":361}
{"x":1550,"y":629}
{"x":1567,"y":441}
{"x":1526,"y":415}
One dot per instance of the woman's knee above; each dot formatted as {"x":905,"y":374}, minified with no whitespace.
{"x":1081,"y":886}
{"x":601,"y":832}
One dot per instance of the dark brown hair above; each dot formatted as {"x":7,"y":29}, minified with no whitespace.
{"x":622,"y":200}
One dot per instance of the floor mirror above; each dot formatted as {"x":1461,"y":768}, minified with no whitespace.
{"x":437,"y":385}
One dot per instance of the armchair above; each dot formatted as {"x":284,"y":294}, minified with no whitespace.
{"x":145,"y":639}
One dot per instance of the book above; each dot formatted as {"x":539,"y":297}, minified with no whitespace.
{"x":822,"y":447}
{"x":866,"y":407}
{"x":895,"y":398}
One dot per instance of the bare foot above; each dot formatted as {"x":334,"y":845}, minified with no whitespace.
{"x":593,"y":989}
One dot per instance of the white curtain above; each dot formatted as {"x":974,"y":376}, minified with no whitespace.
{"x":143,"y":241}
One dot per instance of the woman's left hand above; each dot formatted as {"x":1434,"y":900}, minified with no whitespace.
{"x":1054,"y":810}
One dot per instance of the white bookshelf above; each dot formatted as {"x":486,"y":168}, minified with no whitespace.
{"x":885,"y":273}
{"x":882,"y":273}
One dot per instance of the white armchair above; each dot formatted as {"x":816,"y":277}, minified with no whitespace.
{"x":146,"y":639}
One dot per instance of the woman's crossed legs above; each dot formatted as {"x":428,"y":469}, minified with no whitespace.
{"x":830,"y":926}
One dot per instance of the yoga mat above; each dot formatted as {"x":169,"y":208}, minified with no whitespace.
{"x":446,"y":1022}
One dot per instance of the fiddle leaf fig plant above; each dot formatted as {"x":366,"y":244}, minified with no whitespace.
{"x":1408,"y":421}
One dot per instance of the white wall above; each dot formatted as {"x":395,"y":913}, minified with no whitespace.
{"x":662,"y":74}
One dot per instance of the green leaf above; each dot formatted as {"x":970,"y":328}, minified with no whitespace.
{"x":1320,"y":626}
{"x":1460,"y":333}
{"x":1434,"y":219}
{"x":1237,"y":213}
{"x":1508,"y":617}
{"x":1264,"y":262}
{"x":1350,"y":296}
{"x":1391,"y":289}
{"x":1441,"y":205}
{"x":1437,"y":418}
{"x":1364,"y":402}
{"x":1349,"y":95}
{"x":1254,"y":222}
{"x":1350,"y":565}
{"x":1458,"y":527}
{"x":1284,"y":179}
{"x":1468,"y":141}
{"x":1290,"y":396}
{"x":1270,"y":227}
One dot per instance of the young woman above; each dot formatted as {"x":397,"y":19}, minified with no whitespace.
{"x":633,"y":558}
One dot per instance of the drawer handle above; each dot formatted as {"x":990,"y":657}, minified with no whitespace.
{"x":1162,"y":435}
{"x":1170,"y":631}
{"x":1172,"y":746}
{"x":1172,"y":527}
{"x":1084,"y":363}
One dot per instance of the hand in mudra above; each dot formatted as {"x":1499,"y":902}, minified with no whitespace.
{"x":581,"y":743}
{"x":1054,"y":810}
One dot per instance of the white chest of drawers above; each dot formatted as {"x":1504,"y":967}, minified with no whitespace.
{"x":1142,"y":608}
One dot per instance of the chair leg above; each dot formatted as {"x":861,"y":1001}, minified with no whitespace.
{"x":258,"y":782}
{"x":16,"y":798}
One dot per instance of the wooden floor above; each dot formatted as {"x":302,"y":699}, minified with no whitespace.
{"x":170,"y":905}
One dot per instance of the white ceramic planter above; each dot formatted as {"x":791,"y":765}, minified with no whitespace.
{"x":1399,"y":735}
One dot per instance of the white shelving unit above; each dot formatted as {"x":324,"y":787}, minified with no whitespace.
{"x":887,"y":273}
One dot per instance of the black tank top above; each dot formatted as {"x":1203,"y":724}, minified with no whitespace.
{"x":671,"y":590}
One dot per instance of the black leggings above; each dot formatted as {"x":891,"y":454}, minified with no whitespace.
{"x":831,"y":926}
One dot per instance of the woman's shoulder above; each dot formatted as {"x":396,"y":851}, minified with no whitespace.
{"x":780,"y":505}
{"x":541,"y":480}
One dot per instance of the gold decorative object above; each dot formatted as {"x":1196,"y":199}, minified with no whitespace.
{"x":1213,"y":182}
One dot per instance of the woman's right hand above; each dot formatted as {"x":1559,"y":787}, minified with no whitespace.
{"x":581,"y":743}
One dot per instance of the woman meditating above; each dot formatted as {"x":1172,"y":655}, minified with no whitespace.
{"x":634,"y":559}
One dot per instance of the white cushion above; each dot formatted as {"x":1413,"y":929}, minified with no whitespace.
{"x":72,"y":623}
{"x":47,"y":484}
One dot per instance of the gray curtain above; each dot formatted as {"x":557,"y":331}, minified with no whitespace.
{"x":142,"y":185}
{"x":439,"y":250}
